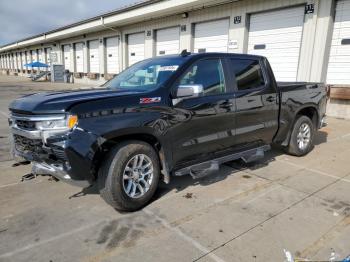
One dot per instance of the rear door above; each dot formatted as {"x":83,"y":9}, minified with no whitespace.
{"x":202,"y":125}
{"x":257,"y":103}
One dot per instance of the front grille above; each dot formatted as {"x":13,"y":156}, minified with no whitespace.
{"x":59,"y":152}
{"x":25,"y":145}
{"x":24,"y":124}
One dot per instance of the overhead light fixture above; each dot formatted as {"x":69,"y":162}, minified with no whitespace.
{"x":184,"y":15}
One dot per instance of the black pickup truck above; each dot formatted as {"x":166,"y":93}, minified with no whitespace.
{"x":171,"y":115}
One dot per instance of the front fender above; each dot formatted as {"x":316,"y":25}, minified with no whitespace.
{"x":88,"y":142}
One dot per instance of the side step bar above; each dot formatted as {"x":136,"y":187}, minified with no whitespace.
{"x":206,"y":168}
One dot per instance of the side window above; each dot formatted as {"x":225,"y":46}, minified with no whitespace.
{"x":209,"y":73}
{"x":248,"y":73}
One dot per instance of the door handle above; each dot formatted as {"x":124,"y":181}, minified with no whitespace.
{"x":270,"y":99}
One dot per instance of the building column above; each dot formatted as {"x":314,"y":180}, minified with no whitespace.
{"x":322,"y":45}
{"x":72,"y":58}
{"x":307,"y":43}
{"x":124,"y":50}
{"x":86,"y":57}
{"x":238,"y":32}
{"x":149,"y":42}
{"x":186,"y":38}
{"x":101,"y":51}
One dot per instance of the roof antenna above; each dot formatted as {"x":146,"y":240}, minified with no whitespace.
{"x":185,"y":53}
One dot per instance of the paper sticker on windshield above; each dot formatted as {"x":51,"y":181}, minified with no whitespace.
{"x":149,"y":100}
{"x":168,"y":68}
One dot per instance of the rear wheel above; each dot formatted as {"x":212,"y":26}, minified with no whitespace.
{"x":301,"y":140}
{"x":129,"y":177}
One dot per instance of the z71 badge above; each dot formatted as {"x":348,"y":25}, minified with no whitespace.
{"x":149,"y":100}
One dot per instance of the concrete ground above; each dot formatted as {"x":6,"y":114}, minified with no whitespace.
{"x":242,"y":213}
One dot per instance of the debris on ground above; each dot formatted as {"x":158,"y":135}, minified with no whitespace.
{"x":188,"y":195}
{"x":20,"y":163}
{"x":52,"y":178}
{"x":27,"y":177}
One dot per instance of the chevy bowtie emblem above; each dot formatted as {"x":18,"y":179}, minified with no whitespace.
{"x":149,"y":100}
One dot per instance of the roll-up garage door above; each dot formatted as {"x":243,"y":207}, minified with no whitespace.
{"x":339,"y":59}
{"x":112,"y":53}
{"x":277,"y":35}
{"x":19,"y":64}
{"x":47,"y":55}
{"x":94,"y":56}
{"x":23,"y":54}
{"x":79,"y":57}
{"x":211,"y":36}
{"x":40,"y":56}
{"x":11,"y":61}
{"x":34,"y":56}
{"x":67,"y":58}
{"x":8,"y":61}
{"x":167,"y":41}
{"x":29,"y":58}
{"x":14,"y":59}
{"x":136,"y":48}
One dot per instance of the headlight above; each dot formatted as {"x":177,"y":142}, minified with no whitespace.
{"x":67,"y":123}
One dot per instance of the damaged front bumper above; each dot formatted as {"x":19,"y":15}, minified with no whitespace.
{"x":57,"y":171}
{"x":47,"y":150}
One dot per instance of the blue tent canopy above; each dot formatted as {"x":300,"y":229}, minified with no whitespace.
{"x":36,"y":64}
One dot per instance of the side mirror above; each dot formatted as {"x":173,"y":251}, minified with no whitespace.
{"x":189,"y":91}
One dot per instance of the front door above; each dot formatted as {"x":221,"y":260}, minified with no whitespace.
{"x":201,"y":125}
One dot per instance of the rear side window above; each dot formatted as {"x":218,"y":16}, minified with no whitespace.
{"x":248,"y":73}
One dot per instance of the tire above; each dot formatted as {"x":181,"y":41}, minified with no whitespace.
{"x":113,"y":186}
{"x":295,"y":148}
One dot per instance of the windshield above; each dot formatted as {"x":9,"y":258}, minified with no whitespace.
{"x":146,"y":75}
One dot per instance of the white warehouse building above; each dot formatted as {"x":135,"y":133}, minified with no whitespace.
{"x":304,"y":40}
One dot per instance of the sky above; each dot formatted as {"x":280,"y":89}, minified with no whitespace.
{"x":23,"y":18}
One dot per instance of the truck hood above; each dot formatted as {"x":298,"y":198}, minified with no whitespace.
{"x":60,"y":102}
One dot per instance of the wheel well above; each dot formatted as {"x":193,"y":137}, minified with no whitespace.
{"x":311,"y":113}
{"x":109,"y":144}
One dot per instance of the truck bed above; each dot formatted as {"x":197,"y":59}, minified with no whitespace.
{"x":292,"y":86}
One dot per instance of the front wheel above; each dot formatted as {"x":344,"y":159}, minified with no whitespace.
{"x":129,"y":177}
{"x":301,"y":140}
